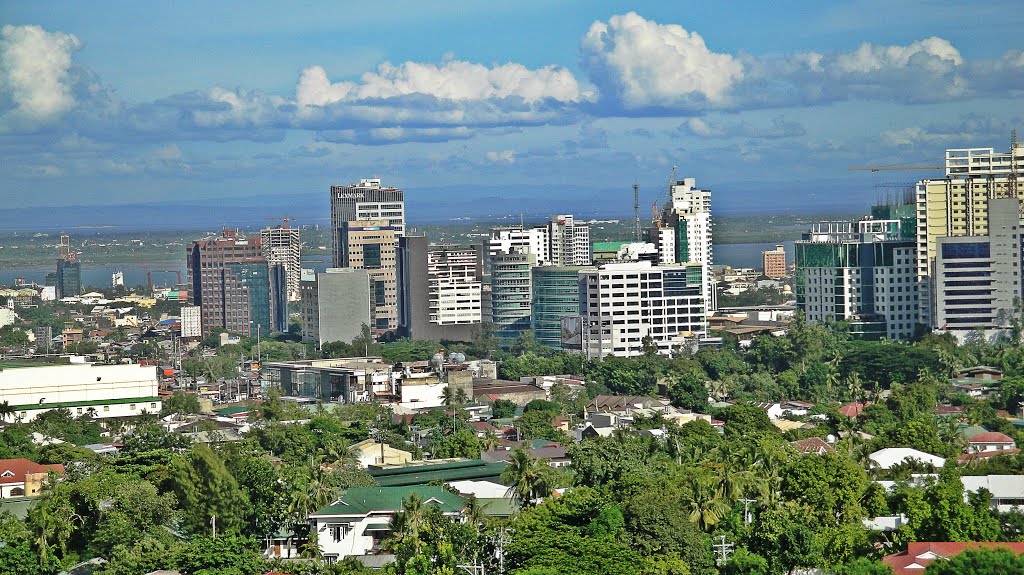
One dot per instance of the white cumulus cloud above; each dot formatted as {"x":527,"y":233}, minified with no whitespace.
{"x":502,"y":157}
{"x":35,"y":68}
{"x":645,"y":64}
{"x":871,"y":57}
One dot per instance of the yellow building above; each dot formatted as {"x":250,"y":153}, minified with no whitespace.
{"x":372,"y":453}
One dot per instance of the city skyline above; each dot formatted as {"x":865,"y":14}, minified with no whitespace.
{"x":767,"y":104}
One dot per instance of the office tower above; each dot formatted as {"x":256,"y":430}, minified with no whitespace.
{"x":335,"y":304}
{"x":191,"y":321}
{"x":569,"y":242}
{"x":977,"y":278}
{"x":683,"y":231}
{"x":278,"y":278}
{"x":505,"y":240}
{"x":863,"y":273}
{"x":231,"y":284}
{"x":283,"y":245}
{"x":366,"y":200}
{"x":69,"y":270}
{"x":372,"y":245}
{"x":441,"y":295}
{"x":774,"y":262}
{"x":957,"y":205}
{"x":555,"y":295}
{"x":623,"y":303}
{"x":510,"y":293}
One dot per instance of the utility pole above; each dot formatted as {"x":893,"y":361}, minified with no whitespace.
{"x":499,"y":549}
{"x":213,"y":521}
{"x":724,"y":549}
{"x":746,"y":509}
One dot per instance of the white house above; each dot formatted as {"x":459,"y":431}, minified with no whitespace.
{"x":891,"y":456}
{"x":990,"y":441}
{"x":1007,"y":490}
{"x":360,"y":522}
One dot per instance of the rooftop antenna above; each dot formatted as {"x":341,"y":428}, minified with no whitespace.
{"x":636,"y":211}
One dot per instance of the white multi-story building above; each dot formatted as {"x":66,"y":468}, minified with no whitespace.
{"x":622,"y":303}
{"x":366,"y":200}
{"x":191,"y":321}
{"x":282,"y":245}
{"x":102,"y":391}
{"x":569,"y":242}
{"x":519,"y":239}
{"x":684,"y":229}
{"x":863,"y":273}
{"x":454,"y":284}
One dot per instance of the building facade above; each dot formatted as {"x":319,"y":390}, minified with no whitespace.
{"x":976,"y":279}
{"x":69,"y":278}
{"x":774,"y":262}
{"x":367,"y":200}
{"x":102,"y":391}
{"x":622,"y":304}
{"x":231,"y":284}
{"x":510,"y":293}
{"x":555,"y":296}
{"x":958,"y":205}
{"x":335,"y":304}
{"x":282,"y":245}
{"x":683,"y":231}
{"x":191,"y":321}
{"x":372,"y":245}
{"x":863,"y":273}
{"x":507,"y":240}
{"x":441,"y":290}
{"x":569,"y":241}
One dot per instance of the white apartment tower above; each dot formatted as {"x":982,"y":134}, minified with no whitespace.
{"x":520,"y":239}
{"x":683,"y":232}
{"x":622,"y":303}
{"x":367,"y":200}
{"x":283,"y":245}
{"x":569,"y":242}
{"x":454,"y":286}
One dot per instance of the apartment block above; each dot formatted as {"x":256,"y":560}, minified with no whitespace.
{"x":282,"y":245}
{"x":569,"y":241}
{"x":442,"y":296}
{"x":372,"y":245}
{"x":774,"y":262}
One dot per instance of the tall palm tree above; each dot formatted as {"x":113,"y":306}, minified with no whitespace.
{"x":528,"y":479}
{"x":949,"y":432}
{"x":6,"y":410}
{"x":489,"y":442}
{"x":707,"y":506}
{"x":407,"y":523}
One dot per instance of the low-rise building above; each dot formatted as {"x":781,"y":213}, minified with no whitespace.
{"x":892,"y":456}
{"x":371,"y":452}
{"x":990,"y":441}
{"x":1007,"y":491}
{"x":920,"y":554}
{"x":360,"y":522}
{"x":24,"y":478}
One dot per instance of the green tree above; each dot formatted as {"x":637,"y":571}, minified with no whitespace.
{"x":1000,"y":561}
{"x":225,"y":554}
{"x":503,"y":408}
{"x":529,"y":479}
{"x":209,"y":494}
{"x":181,"y":403}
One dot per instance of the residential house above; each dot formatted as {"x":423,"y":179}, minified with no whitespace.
{"x":23,"y":478}
{"x":371,"y":452}
{"x":555,"y":455}
{"x":990,"y":441}
{"x":892,"y":456}
{"x":778,"y":410}
{"x":1007,"y":491}
{"x":491,"y":390}
{"x":853,"y":409}
{"x":920,"y":554}
{"x":360,"y":522}
{"x":815,"y":445}
{"x":978,"y":381}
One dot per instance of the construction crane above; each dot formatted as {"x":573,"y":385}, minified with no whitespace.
{"x":655,"y":211}
{"x":893,"y":168}
{"x":149,"y":277}
{"x":285,"y":219}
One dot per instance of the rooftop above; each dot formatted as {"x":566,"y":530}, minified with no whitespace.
{"x":423,"y":472}
{"x":364,"y":500}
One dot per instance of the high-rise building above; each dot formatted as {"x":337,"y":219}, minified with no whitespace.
{"x":957,"y":205}
{"x":69,"y":270}
{"x":372,"y":245}
{"x":535,"y":239}
{"x":862,"y":273}
{"x":555,"y":296}
{"x":231,"y":284}
{"x":510,"y":292}
{"x":191,"y":321}
{"x":283,"y":245}
{"x":335,"y":304}
{"x":977,"y":278}
{"x":774,"y":262}
{"x":622,"y":304}
{"x":455,"y":275}
{"x":683,"y":231}
{"x":366,"y":200}
{"x":441,"y":295}
{"x":569,"y":241}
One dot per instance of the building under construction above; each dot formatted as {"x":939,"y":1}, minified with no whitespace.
{"x":69,"y":270}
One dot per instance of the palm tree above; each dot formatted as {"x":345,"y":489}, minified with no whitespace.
{"x":6,"y":410}
{"x":338,"y":453}
{"x":460,"y":397}
{"x":406,"y":524}
{"x":489,"y":442}
{"x":949,"y":432}
{"x":707,"y":506}
{"x":528,"y":479}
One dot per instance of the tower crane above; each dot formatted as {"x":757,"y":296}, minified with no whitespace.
{"x":285,"y":219}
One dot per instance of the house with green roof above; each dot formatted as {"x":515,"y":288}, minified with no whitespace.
{"x":359,"y":522}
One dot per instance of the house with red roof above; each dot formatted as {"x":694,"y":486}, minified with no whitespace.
{"x":990,"y":441}
{"x":918,"y":555}
{"x":853,"y":409}
{"x":815,"y":445}
{"x":24,"y":478}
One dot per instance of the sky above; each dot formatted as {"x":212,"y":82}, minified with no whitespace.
{"x":462,"y":103}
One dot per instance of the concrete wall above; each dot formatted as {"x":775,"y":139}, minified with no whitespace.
{"x":109,"y":390}
{"x":343,"y":302}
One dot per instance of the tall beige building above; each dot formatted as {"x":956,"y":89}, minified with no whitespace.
{"x":283,"y":245}
{"x":958,"y":205}
{"x":372,"y":245}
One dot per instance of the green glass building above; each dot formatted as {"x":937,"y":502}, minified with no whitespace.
{"x":556,"y":295}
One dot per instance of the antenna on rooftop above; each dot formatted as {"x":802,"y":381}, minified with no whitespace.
{"x":636,"y":212}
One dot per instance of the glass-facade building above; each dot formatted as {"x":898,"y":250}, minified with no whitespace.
{"x":556,"y":295}
{"x":510,"y":293}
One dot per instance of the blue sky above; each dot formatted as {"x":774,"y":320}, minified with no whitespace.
{"x":767,"y":103}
